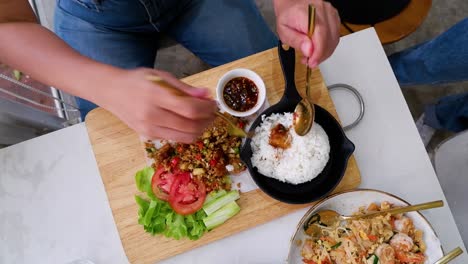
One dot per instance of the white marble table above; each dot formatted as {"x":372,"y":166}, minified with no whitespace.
{"x":53,"y":208}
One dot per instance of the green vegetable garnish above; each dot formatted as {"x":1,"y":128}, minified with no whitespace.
{"x":220,"y":216}
{"x":151,"y":150}
{"x":337,"y":245}
{"x":143,"y":181}
{"x":176,"y":227}
{"x":216,"y":204}
{"x":143,"y":205}
{"x":375,"y":259}
{"x":17,"y":74}
{"x":227,"y":180}
{"x":213,"y":195}
{"x":149,"y":213}
{"x":157,"y":216}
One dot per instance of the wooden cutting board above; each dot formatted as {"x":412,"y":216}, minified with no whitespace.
{"x":119,"y":155}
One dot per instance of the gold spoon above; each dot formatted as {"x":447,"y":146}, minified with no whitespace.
{"x":232,"y":129}
{"x":332,"y":218}
{"x":450,"y":256}
{"x":162,"y":83}
{"x":304,"y":114}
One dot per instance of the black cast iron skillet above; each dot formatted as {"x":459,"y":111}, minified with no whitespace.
{"x":341,"y":147}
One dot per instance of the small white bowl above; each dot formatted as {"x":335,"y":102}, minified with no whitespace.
{"x":241,"y":73}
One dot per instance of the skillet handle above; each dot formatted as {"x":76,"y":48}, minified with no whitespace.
{"x":288,"y":64}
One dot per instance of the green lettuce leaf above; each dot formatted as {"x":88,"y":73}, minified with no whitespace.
{"x":17,"y":74}
{"x":159,"y":225}
{"x":149,"y":213}
{"x":195,"y":226}
{"x":143,"y":181}
{"x":176,"y":227}
{"x":157,"y":216}
{"x":143,"y":206}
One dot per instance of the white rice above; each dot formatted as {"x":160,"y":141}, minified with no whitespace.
{"x":301,"y":162}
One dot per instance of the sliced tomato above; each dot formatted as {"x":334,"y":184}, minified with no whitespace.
{"x":161,"y":183}
{"x":187,"y":195}
{"x":175,"y":162}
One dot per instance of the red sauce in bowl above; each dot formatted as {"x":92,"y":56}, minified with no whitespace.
{"x":240,"y":94}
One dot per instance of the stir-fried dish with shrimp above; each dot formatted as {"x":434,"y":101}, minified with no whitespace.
{"x":384,"y":239}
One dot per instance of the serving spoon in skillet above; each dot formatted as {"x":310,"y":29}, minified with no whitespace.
{"x":341,"y":147}
{"x":304,"y":114}
{"x":291,"y":97}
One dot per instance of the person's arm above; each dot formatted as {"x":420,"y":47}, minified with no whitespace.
{"x":144,"y":106}
{"x":31,"y":48}
{"x":292,"y":23}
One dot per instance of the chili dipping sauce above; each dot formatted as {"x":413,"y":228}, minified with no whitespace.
{"x":240,"y":94}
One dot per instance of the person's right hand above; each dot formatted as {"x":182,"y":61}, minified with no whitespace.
{"x":155,"y":112}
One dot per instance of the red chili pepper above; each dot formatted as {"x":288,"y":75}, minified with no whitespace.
{"x":213,"y":162}
{"x":241,"y":124}
{"x":198,"y":156}
{"x":179,"y":149}
{"x":175,"y":162}
{"x":200,"y":145}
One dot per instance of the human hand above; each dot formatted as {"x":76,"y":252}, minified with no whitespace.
{"x":292,"y":27}
{"x":156,"y":112}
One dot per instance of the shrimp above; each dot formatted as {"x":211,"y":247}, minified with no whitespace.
{"x":386,"y":254}
{"x":403,"y":225}
{"x":373,"y":208}
{"x":402,"y":242}
{"x":410,"y":257}
{"x":308,"y":249}
{"x":385,"y":205}
{"x":339,"y":256}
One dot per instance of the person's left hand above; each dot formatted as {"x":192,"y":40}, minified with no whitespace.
{"x":292,"y":25}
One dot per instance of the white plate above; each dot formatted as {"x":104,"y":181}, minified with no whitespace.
{"x":348,"y":202}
